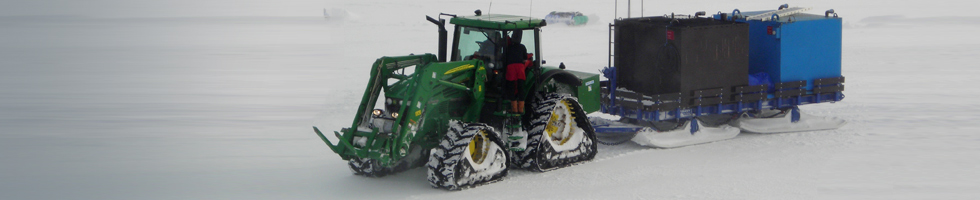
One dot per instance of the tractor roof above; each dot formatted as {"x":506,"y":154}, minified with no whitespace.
{"x":498,"y":21}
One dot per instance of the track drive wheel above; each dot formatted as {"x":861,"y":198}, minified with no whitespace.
{"x":560,"y":134}
{"x":470,"y":154}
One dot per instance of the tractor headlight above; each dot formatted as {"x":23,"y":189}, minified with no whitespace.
{"x":394,"y":115}
{"x":377,"y":112}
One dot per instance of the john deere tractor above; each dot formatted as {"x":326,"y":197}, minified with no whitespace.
{"x":454,"y":118}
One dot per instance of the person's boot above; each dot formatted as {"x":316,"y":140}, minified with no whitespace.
{"x":520,"y":106}
{"x":513,"y":106}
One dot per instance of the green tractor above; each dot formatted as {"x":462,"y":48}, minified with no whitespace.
{"x":456,"y":118}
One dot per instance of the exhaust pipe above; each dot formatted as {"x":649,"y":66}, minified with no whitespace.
{"x":443,"y":35}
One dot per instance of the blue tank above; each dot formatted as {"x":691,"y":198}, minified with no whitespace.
{"x":792,"y":46}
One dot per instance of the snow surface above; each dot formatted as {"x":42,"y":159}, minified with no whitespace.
{"x":112,"y":99}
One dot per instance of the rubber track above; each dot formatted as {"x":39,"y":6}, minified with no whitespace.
{"x":447,"y":162}
{"x":535,"y":156}
{"x":367,"y":167}
{"x":370,"y":167}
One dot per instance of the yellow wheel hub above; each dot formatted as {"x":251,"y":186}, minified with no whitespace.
{"x":561,"y":116}
{"x":479,"y":147}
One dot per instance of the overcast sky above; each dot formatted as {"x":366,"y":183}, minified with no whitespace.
{"x":164,"y":8}
{"x":198,"y":8}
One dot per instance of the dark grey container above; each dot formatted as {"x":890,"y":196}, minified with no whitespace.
{"x":701,"y":54}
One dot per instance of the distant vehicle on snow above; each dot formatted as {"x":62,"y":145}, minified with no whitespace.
{"x":567,"y":18}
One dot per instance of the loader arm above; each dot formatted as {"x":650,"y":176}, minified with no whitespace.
{"x":421,"y":102}
{"x":442,"y":89}
{"x":381,"y":70}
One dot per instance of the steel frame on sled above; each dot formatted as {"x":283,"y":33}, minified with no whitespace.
{"x":825,"y":90}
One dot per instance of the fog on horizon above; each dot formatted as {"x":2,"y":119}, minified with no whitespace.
{"x":173,"y":8}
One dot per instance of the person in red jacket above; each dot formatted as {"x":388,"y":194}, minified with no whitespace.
{"x":516,"y":59}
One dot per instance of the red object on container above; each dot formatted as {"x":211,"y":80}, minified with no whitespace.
{"x":769,"y":30}
{"x":670,"y":35}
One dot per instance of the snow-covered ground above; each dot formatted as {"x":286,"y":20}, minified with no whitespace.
{"x":113,"y":99}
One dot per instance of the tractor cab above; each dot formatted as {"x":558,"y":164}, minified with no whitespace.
{"x":487,"y":36}
{"x":495,"y":39}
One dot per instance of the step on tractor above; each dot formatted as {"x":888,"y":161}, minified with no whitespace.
{"x":462,"y":117}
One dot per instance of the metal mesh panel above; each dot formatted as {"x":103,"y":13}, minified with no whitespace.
{"x":703,"y":54}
